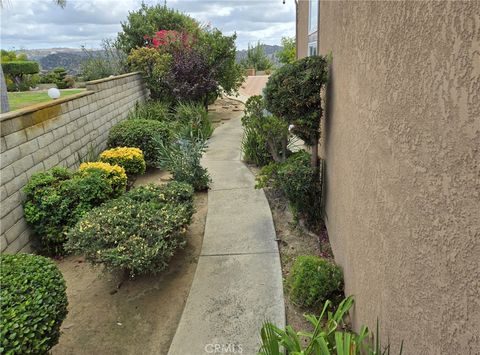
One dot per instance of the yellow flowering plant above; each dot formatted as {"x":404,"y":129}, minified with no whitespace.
{"x":129,"y":158}
{"x":114,"y":174}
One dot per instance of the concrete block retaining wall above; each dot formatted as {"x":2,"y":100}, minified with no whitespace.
{"x":56,"y":133}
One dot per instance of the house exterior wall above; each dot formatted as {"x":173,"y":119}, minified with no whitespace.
{"x":402,"y":149}
{"x":302,"y":28}
{"x":40,"y":137}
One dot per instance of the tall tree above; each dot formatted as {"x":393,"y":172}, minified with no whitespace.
{"x":159,"y":27}
{"x":288,"y":53}
{"x":150,"y":19}
{"x":257,"y":58}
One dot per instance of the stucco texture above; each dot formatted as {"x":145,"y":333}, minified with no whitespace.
{"x":402,"y":149}
{"x":301,"y":28}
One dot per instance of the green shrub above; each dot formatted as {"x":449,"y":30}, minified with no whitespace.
{"x":298,"y":180}
{"x":182,"y":159}
{"x":331,"y":335}
{"x":131,"y":159}
{"x":69,"y":81}
{"x":265,"y":136}
{"x":142,"y":134}
{"x":254,"y":147}
{"x":194,"y":121}
{"x":114,"y":174}
{"x":138,"y":232}
{"x":33,"y":304}
{"x":56,"y":199}
{"x":20,"y":67}
{"x":60,"y":75}
{"x":153,"y":64}
{"x":313,"y":280}
{"x":151,"y":110}
{"x":20,"y":74}
{"x":172,"y":193}
{"x":293,"y":92}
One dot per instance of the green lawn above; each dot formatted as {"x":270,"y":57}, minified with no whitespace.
{"x":21,"y":99}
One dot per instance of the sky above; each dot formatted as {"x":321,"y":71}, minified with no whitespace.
{"x":32,"y":24}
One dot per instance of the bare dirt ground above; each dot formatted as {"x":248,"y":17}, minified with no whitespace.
{"x":222,"y":110}
{"x":294,"y":240}
{"x":142,"y":316}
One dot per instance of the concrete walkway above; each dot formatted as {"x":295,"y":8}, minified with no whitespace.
{"x":238,"y":281}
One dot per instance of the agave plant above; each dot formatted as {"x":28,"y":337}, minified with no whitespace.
{"x":329,"y":336}
{"x":182,"y":160}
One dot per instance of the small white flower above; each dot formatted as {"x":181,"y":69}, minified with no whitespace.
{"x":291,"y":127}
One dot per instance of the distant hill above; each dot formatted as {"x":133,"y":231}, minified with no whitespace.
{"x":50,"y":58}
{"x":270,"y":51}
{"x":71,"y":58}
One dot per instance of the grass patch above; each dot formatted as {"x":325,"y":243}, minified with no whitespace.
{"x":19,"y":100}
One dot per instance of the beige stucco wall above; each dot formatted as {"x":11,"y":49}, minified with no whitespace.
{"x":402,"y":147}
{"x":56,"y":133}
{"x":302,"y":28}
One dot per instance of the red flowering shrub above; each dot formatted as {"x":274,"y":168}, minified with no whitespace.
{"x":176,"y":67}
{"x":166,"y":38}
{"x":166,"y":30}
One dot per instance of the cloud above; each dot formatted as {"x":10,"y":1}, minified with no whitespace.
{"x":41,"y":24}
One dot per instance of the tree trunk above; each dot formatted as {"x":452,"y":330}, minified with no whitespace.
{"x":3,"y":89}
{"x":314,"y":161}
{"x":272,"y":148}
{"x":284,"y":148}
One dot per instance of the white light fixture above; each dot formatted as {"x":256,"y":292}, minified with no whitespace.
{"x":54,"y":93}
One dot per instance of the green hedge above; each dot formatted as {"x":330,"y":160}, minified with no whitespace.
{"x":140,"y":133}
{"x":138,"y":232}
{"x":313,"y":280}
{"x":18,"y":68}
{"x":57,"y":198}
{"x":300,"y":184}
{"x":293,"y":93}
{"x":33,"y":304}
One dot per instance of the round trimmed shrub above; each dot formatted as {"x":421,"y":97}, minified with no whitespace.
{"x":299,"y":183}
{"x":131,"y":159}
{"x":56,"y":199}
{"x":139,"y":133}
{"x":314,"y":280}
{"x":302,"y":187}
{"x":33,"y":304}
{"x":114,"y":174}
{"x":20,"y":67}
{"x":138,"y":232}
{"x":293,"y":93}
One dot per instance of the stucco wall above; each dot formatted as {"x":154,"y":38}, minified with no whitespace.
{"x":402,"y":147}
{"x":302,"y":28}
{"x":40,"y":137}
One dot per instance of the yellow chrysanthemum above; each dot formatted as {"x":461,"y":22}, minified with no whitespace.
{"x":131,"y":159}
{"x":122,"y":152}
{"x":114,"y":173}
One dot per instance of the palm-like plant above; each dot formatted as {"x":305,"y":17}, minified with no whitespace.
{"x":329,"y":336}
